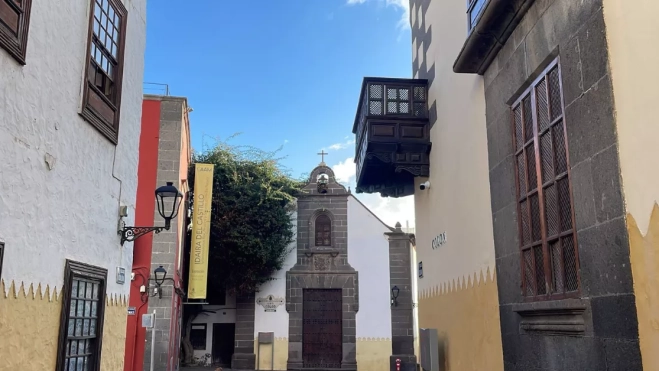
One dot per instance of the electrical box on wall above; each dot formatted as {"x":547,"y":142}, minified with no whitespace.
{"x":429,"y":347}
{"x":148,"y":320}
{"x":121,"y":275}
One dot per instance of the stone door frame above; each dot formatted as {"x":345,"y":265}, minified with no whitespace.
{"x":295,"y":283}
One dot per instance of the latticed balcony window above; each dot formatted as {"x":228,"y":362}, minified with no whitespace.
{"x":550,"y":262}
{"x":474,"y":10}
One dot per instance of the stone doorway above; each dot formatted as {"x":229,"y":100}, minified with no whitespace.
{"x":322,"y":328}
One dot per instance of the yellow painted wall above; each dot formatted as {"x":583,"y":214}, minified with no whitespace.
{"x":114,"y":334}
{"x":632,"y":30}
{"x":644,"y":256}
{"x":466,"y":316}
{"x":373,"y":354}
{"x":264,"y":359}
{"x":29,"y":325}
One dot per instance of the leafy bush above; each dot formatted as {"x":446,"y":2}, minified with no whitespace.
{"x":251,"y":225}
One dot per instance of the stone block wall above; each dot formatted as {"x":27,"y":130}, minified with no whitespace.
{"x":606,"y":337}
{"x":166,"y":243}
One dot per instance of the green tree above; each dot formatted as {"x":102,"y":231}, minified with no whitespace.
{"x":251,"y":224}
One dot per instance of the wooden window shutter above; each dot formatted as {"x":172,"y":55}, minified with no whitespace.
{"x":104,"y":66}
{"x":14,"y":27}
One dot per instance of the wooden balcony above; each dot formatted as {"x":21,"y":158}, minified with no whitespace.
{"x":392,"y":135}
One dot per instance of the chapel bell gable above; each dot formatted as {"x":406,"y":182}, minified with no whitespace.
{"x":322,"y":213}
{"x":323,"y":182}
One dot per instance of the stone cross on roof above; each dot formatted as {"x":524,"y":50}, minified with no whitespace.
{"x":322,"y":154}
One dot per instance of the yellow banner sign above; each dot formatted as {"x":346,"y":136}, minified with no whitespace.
{"x":201,"y":223}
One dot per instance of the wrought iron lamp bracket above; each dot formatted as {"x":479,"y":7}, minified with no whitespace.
{"x":130,"y":234}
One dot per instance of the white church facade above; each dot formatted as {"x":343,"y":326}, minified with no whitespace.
{"x":343,"y":299}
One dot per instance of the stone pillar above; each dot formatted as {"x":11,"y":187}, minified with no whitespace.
{"x":402,"y":315}
{"x":166,"y":243}
{"x":243,"y":354}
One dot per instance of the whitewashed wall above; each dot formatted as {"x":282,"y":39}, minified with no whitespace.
{"x":223,"y":314}
{"x":69,"y":211}
{"x":276,"y":322}
{"x":368,"y":253}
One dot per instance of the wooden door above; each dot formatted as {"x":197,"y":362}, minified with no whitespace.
{"x":224,"y":336}
{"x":322,"y":328}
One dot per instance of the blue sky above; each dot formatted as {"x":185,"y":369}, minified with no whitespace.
{"x":280,"y":72}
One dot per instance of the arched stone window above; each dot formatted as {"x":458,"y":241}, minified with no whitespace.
{"x":323,"y":231}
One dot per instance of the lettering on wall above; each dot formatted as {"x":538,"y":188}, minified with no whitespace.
{"x":439,"y":240}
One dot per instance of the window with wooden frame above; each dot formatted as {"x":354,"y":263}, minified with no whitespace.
{"x":81,"y":321}
{"x":14,"y":27}
{"x":105,"y":62}
{"x":474,"y":10}
{"x":549,"y":254}
{"x":198,"y":336}
{"x":323,"y":231}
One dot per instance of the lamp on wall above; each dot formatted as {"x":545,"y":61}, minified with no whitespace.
{"x":160,"y":273}
{"x":394,"y":296}
{"x":160,"y":276}
{"x":164,"y":195}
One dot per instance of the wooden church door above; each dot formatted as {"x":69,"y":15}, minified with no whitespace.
{"x":322,"y":328}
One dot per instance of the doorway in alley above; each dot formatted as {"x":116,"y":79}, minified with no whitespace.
{"x":322,"y":328}
{"x":224,"y":335}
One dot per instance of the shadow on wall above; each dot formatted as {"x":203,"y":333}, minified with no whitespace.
{"x":442,"y":351}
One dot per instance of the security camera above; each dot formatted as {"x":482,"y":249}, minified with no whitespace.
{"x":425,"y":185}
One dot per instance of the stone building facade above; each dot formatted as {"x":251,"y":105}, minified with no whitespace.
{"x":568,"y":283}
{"x":165,"y":156}
{"x":322,"y":267}
{"x":541,"y":118}
{"x":331,"y":305}
{"x":69,"y":129}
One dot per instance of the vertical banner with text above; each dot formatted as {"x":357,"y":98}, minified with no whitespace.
{"x":201,"y":223}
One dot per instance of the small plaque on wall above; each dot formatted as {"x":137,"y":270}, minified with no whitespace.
{"x":270,"y":303}
{"x":121,"y":275}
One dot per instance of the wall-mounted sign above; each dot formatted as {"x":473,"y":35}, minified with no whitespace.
{"x":121,"y":275}
{"x":439,"y":240}
{"x":148,"y":320}
{"x":270,"y":303}
{"x":131,"y":311}
{"x":420,"y":269}
{"x":201,"y":225}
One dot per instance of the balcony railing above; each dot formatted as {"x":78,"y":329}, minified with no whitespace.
{"x":392,"y":114}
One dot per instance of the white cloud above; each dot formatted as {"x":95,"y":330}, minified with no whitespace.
{"x":403,"y":5}
{"x":342,"y":145}
{"x":389,"y":210}
{"x":344,"y":171}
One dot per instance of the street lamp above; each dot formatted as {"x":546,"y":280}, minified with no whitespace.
{"x":164,"y":195}
{"x":394,"y":296}
{"x":160,"y":273}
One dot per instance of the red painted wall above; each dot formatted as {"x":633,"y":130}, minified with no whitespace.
{"x":147,"y":172}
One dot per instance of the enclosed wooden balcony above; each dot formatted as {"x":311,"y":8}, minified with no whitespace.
{"x":392,"y":135}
